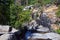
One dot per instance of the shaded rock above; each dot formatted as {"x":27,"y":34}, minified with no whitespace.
{"x":13,"y":30}
{"x":33,"y":24}
{"x":44,"y":20}
{"x":58,"y":2}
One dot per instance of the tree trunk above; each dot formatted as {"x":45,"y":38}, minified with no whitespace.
{"x":26,"y":2}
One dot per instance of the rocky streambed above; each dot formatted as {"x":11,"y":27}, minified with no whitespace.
{"x":43,"y":29}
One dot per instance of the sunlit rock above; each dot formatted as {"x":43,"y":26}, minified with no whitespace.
{"x":43,"y":29}
{"x":4,"y":28}
{"x":55,"y":26}
{"x":52,"y":36}
{"x":13,"y":30}
{"x":5,"y":37}
{"x":7,"y":29}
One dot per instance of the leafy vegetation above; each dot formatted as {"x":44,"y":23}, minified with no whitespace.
{"x":4,"y":12}
{"x":31,"y":2}
{"x":18,"y":16}
{"x":58,"y":31}
{"x":11,"y":14}
{"x":58,"y":12}
{"x":47,"y":1}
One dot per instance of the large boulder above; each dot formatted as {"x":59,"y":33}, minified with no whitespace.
{"x":52,"y":36}
{"x":5,"y":36}
{"x":4,"y":28}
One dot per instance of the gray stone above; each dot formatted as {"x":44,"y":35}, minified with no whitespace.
{"x":53,"y":36}
{"x":4,"y":28}
{"x":5,"y":37}
{"x":42,"y":29}
{"x":38,"y":36}
{"x":44,"y":20}
{"x":13,"y":30}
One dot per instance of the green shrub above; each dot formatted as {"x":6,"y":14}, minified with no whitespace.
{"x":58,"y":31}
{"x":58,"y":12}
{"x":18,"y":16}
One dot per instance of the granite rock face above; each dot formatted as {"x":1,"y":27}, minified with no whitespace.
{"x":5,"y":37}
{"x":4,"y":28}
{"x":42,"y":29}
{"x":52,"y":36}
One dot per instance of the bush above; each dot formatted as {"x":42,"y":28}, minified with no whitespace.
{"x":18,"y":16}
{"x":58,"y":12}
{"x":58,"y":31}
